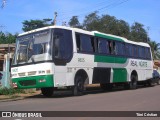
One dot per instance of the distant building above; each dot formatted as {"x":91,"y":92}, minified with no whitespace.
{"x":4,"y":49}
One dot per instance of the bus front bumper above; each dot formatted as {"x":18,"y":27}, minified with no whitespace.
{"x":33,"y":82}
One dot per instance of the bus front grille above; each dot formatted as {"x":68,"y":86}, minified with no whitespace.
{"x":27,"y":83}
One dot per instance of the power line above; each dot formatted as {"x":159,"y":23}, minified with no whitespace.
{"x":114,"y":4}
{"x":86,"y":8}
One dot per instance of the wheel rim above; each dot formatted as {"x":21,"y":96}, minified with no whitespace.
{"x":134,"y":82}
{"x":158,"y":82}
{"x":80,"y":86}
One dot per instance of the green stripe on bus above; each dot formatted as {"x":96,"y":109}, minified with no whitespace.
{"x":110,"y":59}
{"x":119,"y":75}
{"x":33,"y":81}
{"x":108,"y":37}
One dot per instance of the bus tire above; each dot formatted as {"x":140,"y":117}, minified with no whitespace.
{"x":150,"y":83}
{"x":47,"y":92}
{"x":78,"y":88}
{"x":133,"y":83}
{"x":106,"y":86}
{"x":158,"y":82}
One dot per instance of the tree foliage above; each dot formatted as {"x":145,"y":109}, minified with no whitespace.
{"x":94,"y":22}
{"x":74,"y":22}
{"x":155,"y":47}
{"x":106,"y":24}
{"x":91,"y":22}
{"x":34,"y":24}
{"x":138,"y":33}
{"x":111,"y":25}
{"x":7,"y":38}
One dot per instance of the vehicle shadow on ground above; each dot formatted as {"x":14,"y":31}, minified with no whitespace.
{"x":90,"y":90}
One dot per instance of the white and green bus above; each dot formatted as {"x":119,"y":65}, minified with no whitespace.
{"x":62,"y":57}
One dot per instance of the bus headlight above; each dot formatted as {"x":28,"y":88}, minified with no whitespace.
{"x":13,"y":75}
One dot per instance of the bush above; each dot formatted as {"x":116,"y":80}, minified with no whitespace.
{"x":10,"y":91}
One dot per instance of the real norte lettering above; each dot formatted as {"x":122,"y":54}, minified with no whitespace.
{"x":143,"y":64}
{"x":138,"y":63}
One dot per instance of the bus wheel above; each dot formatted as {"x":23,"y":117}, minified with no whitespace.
{"x":133,"y":83}
{"x":158,"y":83}
{"x":78,"y":88}
{"x":48,"y":92}
{"x":150,"y":83}
{"x":106,"y":86}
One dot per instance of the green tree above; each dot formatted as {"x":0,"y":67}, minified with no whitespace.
{"x":138,"y":33}
{"x":74,"y":22}
{"x":34,"y":24}
{"x":91,"y":22}
{"x":155,"y":47}
{"x":122,"y":29}
{"x":2,"y":38}
{"x":7,"y":38}
{"x":106,"y":24}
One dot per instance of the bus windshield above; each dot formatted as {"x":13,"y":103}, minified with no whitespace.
{"x":33,"y":48}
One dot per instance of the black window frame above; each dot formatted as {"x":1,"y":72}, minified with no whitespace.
{"x":98,"y":39}
{"x":79,"y":43}
{"x":120,"y":48}
{"x":129,"y":50}
{"x":66,"y":46}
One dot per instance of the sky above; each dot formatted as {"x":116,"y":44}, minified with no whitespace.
{"x":142,"y":11}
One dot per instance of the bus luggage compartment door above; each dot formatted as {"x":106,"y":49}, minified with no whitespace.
{"x":60,"y":76}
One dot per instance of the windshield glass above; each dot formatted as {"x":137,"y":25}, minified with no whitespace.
{"x":33,"y":48}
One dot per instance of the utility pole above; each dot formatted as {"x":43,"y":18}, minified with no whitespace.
{"x":55,"y":18}
{"x":148,"y":28}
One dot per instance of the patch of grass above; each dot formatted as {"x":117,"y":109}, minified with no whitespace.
{"x":10,"y":91}
{"x":14,"y":96}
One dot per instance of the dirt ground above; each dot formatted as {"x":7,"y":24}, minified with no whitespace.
{"x":33,"y":92}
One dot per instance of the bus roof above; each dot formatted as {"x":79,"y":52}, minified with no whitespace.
{"x":94,"y":33}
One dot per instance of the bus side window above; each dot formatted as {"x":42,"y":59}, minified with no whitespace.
{"x":112,"y":47}
{"x":120,"y":48}
{"x":135,"y":52}
{"x":143,"y":51}
{"x":102,"y":46}
{"x":85,"y":43}
{"x":147,"y":53}
{"x":93,"y":44}
{"x":78,"y":42}
{"x":127,"y":49}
